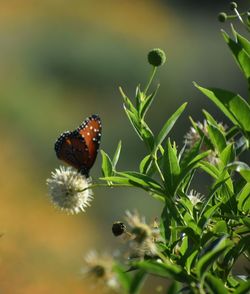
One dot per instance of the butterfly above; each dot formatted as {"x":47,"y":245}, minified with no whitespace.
{"x":79,"y":148}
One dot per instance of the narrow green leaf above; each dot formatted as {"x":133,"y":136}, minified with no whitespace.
{"x":145,"y":164}
{"x":241,"y":56}
{"x":207,"y":260}
{"x":215,"y":284}
{"x":193,"y":164}
{"x":245,"y":44}
{"x":241,"y":168}
{"x":190,"y":154}
{"x":117,"y":180}
{"x":174,"y":288}
{"x":142,"y":180}
{"x":134,"y":121}
{"x":107,"y":168}
{"x":117,"y":154}
{"x":123,"y":277}
{"x":206,"y":214}
{"x":168,"y":126}
{"x":137,"y":282}
{"x":147,"y":136}
{"x":127,"y":102}
{"x":210,"y":119}
{"x":244,"y":199}
{"x":227,"y":155}
{"x":231,"y":104}
{"x":171,"y":168}
{"x":209,"y":169}
{"x":217,"y":138}
{"x":164,"y":270}
{"x":243,"y":288}
{"x":145,"y":104}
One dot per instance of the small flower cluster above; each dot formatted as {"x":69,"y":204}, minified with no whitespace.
{"x":99,"y":268}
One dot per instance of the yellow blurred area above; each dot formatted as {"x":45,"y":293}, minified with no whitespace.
{"x":61,"y":61}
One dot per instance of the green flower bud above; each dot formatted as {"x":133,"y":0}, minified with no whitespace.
{"x":233,"y":5}
{"x":156,"y":57}
{"x":222,"y":17}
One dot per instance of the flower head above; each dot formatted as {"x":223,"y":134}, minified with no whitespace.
{"x":156,"y":57}
{"x":100,"y":269}
{"x":68,"y":190}
{"x":195,"y":197}
{"x":143,"y":236}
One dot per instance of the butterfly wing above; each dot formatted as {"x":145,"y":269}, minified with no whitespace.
{"x":90,"y":131}
{"x":79,"y":148}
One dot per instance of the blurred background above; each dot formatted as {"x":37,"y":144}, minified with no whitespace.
{"x":61,"y":61}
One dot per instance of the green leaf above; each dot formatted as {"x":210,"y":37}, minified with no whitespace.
{"x":137,"y":282}
{"x":244,"y":199}
{"x":220,"y":227}
{"x":217,"y":138}
{"x":210,"y":119}
{"x":134,"y":120}
{"x":118,"y":180}
{"x":174,"y":288}
{"x":227,"y":155}
{"x":206,"y":214}
{"x":231,"y":104}
{"x":190,"y":259}
{"x":240,"y":54}
{"x":145,"y":104}
{"x":127,"y":103}
{"x":141,"y":180}
{"x":242,"y":168}
{"x":107,"y":168}
{"x":147,"y":135}
{"x":243,"y":288}
{"x":191,"y":154}
{"x":168,"y":126}
{"x":117,"y":154}
{"x":171,"y":168}
{"x":210,"y":169}
{"x":145,"y":164}
{"x":211,"y":255}
{"x":215,"y":284}
{"x":164,"y":270}
{"x":193,"y":164}
{"x":245,"y":44}
{"x":123,"y":277}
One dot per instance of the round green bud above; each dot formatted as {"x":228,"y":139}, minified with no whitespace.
{"x":156,"y":57}
{"x":233,"y":5}
{"x":222,"y":17}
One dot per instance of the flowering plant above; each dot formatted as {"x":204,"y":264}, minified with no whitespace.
{"x":197,"y":240}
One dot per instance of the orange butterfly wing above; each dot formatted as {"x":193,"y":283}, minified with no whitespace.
{"x":79,"y":148}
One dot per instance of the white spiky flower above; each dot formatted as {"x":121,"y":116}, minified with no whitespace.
{"x":195,"y":197}
{"x":68,"y":190}
{"x":99,"y":267}
{"x":144,"y":236}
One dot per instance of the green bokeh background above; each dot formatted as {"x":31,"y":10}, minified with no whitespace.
{"x":61,"y":61}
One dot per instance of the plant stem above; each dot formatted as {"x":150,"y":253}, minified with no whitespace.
{"x":158,"y":169}
{"x":150,"y":80}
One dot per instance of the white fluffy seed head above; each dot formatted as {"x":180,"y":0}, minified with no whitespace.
{"x":69,"y":190}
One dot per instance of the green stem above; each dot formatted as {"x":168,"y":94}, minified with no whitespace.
{"x":150,"y":80}
{"x":158,"y":169}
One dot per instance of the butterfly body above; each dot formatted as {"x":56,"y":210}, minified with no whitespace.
{"x":79,"y":148}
